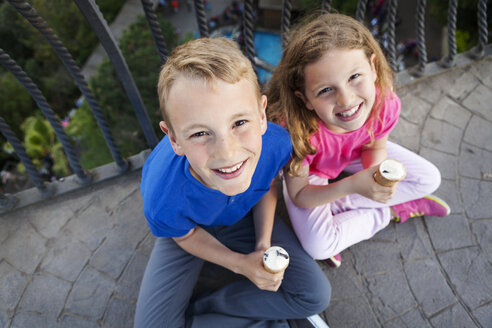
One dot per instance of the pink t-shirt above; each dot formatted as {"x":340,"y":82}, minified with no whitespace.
{"x":336,"y":150}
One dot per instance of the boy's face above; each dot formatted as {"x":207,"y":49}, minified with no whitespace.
{"x":219,"y":130}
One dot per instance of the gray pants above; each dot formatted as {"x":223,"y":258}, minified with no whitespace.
{"x":172,"y":273}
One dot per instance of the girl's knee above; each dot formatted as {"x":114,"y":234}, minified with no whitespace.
{"x":321,"y":247}
{"x":316,"y":250}
{"x":433,"y":179}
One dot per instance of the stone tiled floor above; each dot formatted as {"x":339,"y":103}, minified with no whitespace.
{"x":77,"y":260}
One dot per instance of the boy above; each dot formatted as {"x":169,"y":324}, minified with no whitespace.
{"x":209,"y":194}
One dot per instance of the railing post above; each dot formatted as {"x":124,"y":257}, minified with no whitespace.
{"x":361,"y":10}
{"x":156,"y":30}
{"x":326,"y":5}
{"x":7,"y":201}
{"x":420,"y":70}
{"x":285,"y":28}
{"x":393,"y":4}
{"x":40,"y":24}
{"x":21,"y":152}
{"x":92,"y":14}
{"x":448,"y":61}
{"x":483,"y":32}
{"x":248,"y":24}
{"x":201,"y":18}
{"x":38,"y":97}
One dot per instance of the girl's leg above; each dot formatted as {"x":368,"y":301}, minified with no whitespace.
{"x":305,"y":290}
{"x":329,"y":229}
{"x":167,"y":286}
{"x":422,"y":179}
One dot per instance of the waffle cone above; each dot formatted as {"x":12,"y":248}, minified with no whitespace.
{"x":385,"y":181}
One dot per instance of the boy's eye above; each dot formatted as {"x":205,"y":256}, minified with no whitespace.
{"x":239,"y":123}
{"x":353,"y":77}
{"x":198,"y":134}
{"x":325,"y":90}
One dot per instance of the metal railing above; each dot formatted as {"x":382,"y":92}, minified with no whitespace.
{"x":97,"y":22}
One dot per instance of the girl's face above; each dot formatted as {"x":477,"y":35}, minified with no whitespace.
{"x":340,"y":88}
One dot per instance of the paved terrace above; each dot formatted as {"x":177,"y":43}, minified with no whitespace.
{"x":77,"y":260}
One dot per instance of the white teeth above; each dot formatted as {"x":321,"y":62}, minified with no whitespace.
{"x":231,"y":169}
{"x":349,"y":112}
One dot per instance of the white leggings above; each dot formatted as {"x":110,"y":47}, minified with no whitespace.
{"x":328,"y":229}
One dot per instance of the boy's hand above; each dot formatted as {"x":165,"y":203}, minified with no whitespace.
{"x":252,"y":268}
{"x":364,"y":184}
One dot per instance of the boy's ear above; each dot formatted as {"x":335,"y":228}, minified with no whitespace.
{"x":263,"y":119}
{"x":176,"y":146}
{"x":306,"y":102}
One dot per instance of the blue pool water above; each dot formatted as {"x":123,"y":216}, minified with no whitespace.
{"x":268,"y":47}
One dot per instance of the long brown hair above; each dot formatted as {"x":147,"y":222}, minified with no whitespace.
{"x":308,"y":43}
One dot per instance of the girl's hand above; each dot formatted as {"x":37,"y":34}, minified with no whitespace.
{"x":364,"y":184}
{"x":252,"y":268}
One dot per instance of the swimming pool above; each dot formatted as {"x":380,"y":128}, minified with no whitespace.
{"x":268,"y":47}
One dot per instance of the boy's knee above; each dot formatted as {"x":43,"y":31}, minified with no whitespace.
{"x":318,"y":297}
{"x":314,"y":297}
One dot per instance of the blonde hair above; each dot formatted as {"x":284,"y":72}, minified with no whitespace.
{"x":204,"y":59}
{"x":307,"y":44}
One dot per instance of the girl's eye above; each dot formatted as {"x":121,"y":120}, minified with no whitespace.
{"x":239,"y":123}
{"x":353,"y":77}
{"x":198,"y":134}
{"x":325,"y":90}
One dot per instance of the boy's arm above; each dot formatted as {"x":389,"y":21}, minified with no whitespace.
{"x":263,"y":216}
{"x":200,"y":243}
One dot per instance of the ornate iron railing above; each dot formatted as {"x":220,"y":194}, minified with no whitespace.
{"x":97,"y":22}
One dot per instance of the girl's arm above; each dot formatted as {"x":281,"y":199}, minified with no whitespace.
{"x":200,"y":243}
{"x":374,"y":153}
{"x":306,"y":195}
{"x":263,"y":216}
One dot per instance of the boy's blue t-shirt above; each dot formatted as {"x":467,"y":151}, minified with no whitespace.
{"x":175,"y":202}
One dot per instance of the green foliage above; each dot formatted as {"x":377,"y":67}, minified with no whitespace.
{"x":93,"y":149}
{"x":14,"y":30}
{"x":466,"y":25}
{"x":16,"y":103}
{"x":110,"y":8}
{"x":34,"y":55}
{"x":462,"y":40}
{"x":40,"y":141}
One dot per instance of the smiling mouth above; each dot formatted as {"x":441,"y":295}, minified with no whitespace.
{"x":349,"y":114}
{"x":230,"y":172}
{"x":231,"y":169}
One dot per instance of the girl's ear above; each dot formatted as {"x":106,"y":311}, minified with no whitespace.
{"x":372,"y":61}
{"x":176,"y":146}
{"x":306,"y":102}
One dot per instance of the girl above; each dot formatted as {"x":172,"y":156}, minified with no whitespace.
{"x":333,"y":91}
